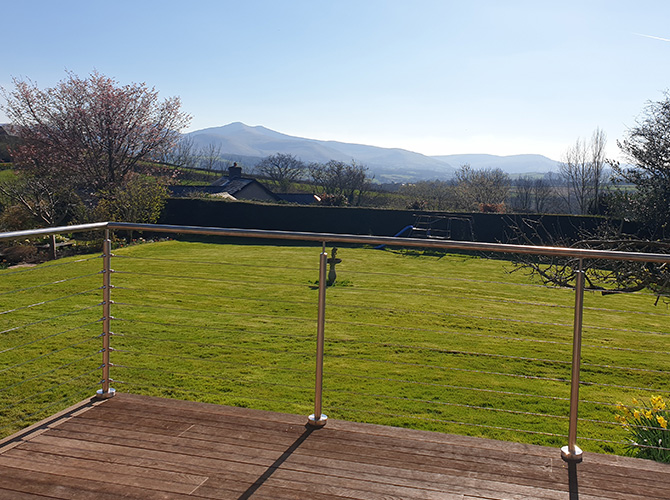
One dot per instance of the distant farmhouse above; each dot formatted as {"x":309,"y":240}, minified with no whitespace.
{"x":235,"y":187}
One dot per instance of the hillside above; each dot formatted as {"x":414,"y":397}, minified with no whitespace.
{"x":387,"y":164}
{"x":514,"y":164}
{"x":240,"y":142}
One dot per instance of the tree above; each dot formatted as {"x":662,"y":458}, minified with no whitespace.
{"x":42,"y":201}
{"x":533,"y":194}
{"x":139,"y":199}
{"x":479,"y":188}
{"x":583,"y":171}
{"x":523,"y":199}
{"x":92,"y":131}
{"x":647,"y":149}
{"x":281,"y":168}
{"x":338,"y":178}
{"x":209,"y":157}
{"x":429,"y":195}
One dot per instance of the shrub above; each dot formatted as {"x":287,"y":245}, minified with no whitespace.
{"x":647,"y":425}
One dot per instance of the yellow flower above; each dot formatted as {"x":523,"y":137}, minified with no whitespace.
{"x":636,"y":414}
{"x":662,"y":422}
{"x":648,"y":414}
{"x":658,"y":403}
{"x":635,"y":401}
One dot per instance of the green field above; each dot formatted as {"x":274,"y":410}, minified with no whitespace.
{"x":452,"y":343}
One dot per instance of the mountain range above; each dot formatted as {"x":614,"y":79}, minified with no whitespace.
{"x":248,"y":145}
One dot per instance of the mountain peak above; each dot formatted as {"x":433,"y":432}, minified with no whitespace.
{"x":387,"y":164}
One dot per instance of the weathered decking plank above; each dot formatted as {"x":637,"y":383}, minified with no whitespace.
{"x":151,"y":448}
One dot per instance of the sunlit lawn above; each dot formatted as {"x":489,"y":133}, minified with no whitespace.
{"x":452,"y":343}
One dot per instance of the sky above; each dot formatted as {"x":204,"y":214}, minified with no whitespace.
{"x":437,"y":77}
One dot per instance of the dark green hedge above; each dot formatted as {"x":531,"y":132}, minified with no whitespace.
{"x":485,"y":227}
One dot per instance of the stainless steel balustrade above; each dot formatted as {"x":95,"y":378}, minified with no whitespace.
{"x":571,"y":452}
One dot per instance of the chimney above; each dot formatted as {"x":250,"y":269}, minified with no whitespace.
{"x":234,"y":172}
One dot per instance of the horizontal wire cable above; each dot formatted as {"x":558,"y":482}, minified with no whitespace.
{"x":467,"y":388}
{"x":330,"y":304}
{"x":502,"y":337}
{"x":207,"y":360}
{"x":57,"y":282}
{"x":50,"y":318}
{"x":623,"y":426}
{"x":443,"y":421}
{"x":212,"y":280}
{"x":55,"y":351}
{"x":506,"y":356}
{"x":218,"y":394}
{"x":207,"y":311}
{"x":448,"y":368}
{"x":446,"y":403}
{"x":72,"y":379}
{"x":376,"y":291}
{"x":603,"y":384}
{"x":552,"y":287}
{"x":201,"y":344}
{"x":451,"y":278}
{"x":346,"y":290}
{"x":502,"y":374}
{"x":458,"y":352}
{"x":232,"y":264}
{"x":521,"y":321}
{"x":448,"y":386}
{"x":223,"y":296}
{"x":212,"y":328}
{"x":44,"y":408}
{"x":90,"y":323}
{"x":41,"y":268}
{"x":623,"y":443}
{"x":483,"y":335}
{"x":49,"y":301}
{"x":228,"y":379}
{"x":17,"y":384}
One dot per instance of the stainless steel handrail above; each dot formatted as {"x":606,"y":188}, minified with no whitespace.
{"x":31,"y":233}
{"x":577,"y":253}
{"x":405,"y":242}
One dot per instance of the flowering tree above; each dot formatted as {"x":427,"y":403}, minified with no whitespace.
{"x":91,"y":131}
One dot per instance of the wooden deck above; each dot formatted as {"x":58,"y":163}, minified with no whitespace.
{"x":151,"y":448}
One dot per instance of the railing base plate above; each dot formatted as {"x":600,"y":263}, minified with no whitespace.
{"x":105,"y":395}
{"x":312,"y":420}
{"x":572,"y":457}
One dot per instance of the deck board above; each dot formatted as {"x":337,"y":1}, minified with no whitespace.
{"x":139,"y":447}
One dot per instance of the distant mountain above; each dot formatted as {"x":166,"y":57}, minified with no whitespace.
{"x":240,"y":142}
{"x":514,"y":164}
{"x":387,"y":164}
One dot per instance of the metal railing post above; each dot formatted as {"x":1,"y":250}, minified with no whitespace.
{"x":106,"y":391}
{"x":572,"y":452}
{"x":318,"y":419}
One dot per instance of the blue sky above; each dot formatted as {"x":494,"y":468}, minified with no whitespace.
{"x":436,"y":77}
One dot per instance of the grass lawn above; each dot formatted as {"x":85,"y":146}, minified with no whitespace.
{"x":452,"y":343}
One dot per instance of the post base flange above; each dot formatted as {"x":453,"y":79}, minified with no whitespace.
{"x":105,"y":395}
{"x":314,"y":422}
{"x":576,"y":456}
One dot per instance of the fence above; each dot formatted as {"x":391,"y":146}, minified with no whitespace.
{"x":412,"y":337}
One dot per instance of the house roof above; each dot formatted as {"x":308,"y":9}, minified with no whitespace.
{"x":223,"y":185}
{"x":232,"y":186}
{"x":237,"y":184}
